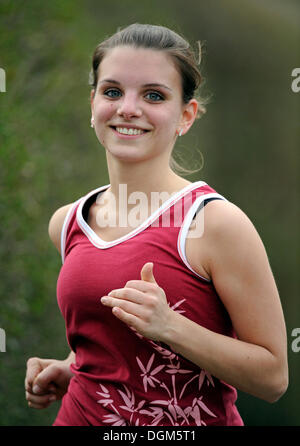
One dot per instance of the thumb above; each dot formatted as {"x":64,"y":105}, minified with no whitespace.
{"x":147,"y":273}
{"x":44,"y":378}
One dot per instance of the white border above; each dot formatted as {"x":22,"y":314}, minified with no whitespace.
{"x":185,"y":228}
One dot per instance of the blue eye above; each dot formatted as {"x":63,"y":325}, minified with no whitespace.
{"x":154,"y":96}
{"x":112,"y":93}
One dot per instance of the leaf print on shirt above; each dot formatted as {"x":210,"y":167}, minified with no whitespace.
{"x":204,"y":374}
{"x":177,"y":305}
{"x":129,"y":400}
{"x":173,"y":411}
{"x":149,"y":379}
{"x":107,"y":398}
{"x":175,"y":368}
{"x":114,"y":420}
{"x":167,"y":375}
{"x":194,"y":411}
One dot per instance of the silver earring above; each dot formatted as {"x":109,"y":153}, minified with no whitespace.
{"x":92,"y":122}
{"x":180,"y":133}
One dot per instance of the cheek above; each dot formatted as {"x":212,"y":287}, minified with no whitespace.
{"x":167,"y":117}
{"x":103,"y":112}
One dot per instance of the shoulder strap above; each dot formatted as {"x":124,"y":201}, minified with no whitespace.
{"x":198,"y":204}
{"x":80,"y":202}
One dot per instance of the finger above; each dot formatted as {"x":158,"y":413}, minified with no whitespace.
{"x":39,"y":402}
{"x":141,"y":285}
{"x":147,"y":273}
{"x":34,"y":367}
{"x":44,"y":379}
{"x":129,"y":294}
{"x":129,"y":319}
{"x":51,"y":390}
{"x":38,"y":406}
{"x":129,"y":307}
{"x":40,"y":399}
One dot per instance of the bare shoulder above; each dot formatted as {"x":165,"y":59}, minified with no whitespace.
{"x":231,"y":237}
{"x":228,"y":235}
{"x":56,"y":223}
{"x":222,"y":218}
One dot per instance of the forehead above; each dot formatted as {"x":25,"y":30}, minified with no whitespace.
{"x":139,"y":65}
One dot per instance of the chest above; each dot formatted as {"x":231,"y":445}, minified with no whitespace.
{"x":196,"y":249}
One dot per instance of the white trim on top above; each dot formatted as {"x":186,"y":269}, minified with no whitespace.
{"x":186,"y":225}
{"x":69,"y":216}
{"x":63,"y":234}
{"x":102,"y":244}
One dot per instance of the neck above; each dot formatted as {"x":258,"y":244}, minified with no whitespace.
{"x":146,"y":177}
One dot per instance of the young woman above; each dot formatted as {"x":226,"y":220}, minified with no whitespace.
{"x":168,"y":314}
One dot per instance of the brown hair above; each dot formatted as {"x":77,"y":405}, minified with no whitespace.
{"x":158,"y":38}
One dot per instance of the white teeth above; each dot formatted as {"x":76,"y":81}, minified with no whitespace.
{"x":127,"y":131}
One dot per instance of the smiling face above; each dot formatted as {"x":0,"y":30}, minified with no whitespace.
{"x":137,"y":106}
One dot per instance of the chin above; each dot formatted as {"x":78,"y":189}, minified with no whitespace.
{"x":126,"y":155}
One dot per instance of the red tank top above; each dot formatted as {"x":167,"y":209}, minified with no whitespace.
{"x":120,"y":377}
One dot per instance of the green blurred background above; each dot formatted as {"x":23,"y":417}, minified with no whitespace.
{"x":49,"y":156}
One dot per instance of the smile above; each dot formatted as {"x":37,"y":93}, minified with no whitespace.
{"x":128,"y":132}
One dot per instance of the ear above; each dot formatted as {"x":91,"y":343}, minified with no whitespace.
{"x":189,"y":114}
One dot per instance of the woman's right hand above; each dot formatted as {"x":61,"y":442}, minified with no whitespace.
{"x":47,"y":380}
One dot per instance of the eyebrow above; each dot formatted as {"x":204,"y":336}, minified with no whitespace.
{"x":112,"y":81}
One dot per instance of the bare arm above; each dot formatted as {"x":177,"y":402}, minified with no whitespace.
{"x":71,"y":358}
{"x":256,"y":362}
{"x":47,"y":380}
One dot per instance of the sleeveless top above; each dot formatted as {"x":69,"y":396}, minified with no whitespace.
{"x":120,"y":377}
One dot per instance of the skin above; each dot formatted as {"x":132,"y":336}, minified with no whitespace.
{"x":130,"y":161}
{"x":230,"y":252}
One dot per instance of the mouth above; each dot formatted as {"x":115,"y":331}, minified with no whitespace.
{"x":128,"y":132}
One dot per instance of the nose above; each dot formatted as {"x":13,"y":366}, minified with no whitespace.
{"x":129,"y":106}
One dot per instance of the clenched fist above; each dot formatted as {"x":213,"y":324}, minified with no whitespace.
{"x":46,"y":381}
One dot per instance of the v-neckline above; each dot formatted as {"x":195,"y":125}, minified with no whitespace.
{"x":98,"y":242}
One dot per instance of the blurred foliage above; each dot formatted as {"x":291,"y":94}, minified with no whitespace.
{"x":49,"y":156}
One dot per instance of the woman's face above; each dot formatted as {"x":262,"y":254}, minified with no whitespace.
{"x":139,"y":92}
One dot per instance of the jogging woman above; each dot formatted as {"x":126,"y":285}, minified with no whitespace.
{"x":166,"y":289}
